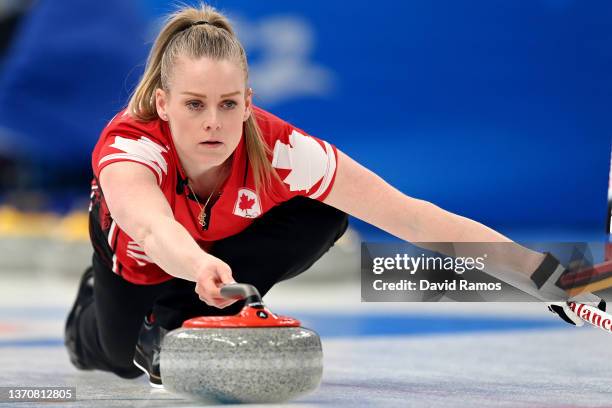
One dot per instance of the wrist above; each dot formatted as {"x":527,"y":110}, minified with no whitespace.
{"x":200,"y":265}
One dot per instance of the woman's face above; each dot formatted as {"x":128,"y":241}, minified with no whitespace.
{"x":205,"y":106}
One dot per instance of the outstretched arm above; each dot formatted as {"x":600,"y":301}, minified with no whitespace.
{"x":140,"y":209}
{"x":363,"y":194}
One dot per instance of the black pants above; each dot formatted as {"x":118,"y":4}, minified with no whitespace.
{"x":281,"y":244}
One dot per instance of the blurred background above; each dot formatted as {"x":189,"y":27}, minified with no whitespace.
{"x":496,"y":110}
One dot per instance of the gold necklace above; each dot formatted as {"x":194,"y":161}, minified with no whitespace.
{"x":202,"y":215}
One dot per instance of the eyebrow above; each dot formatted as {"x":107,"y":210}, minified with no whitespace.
{"x":204,"y":96}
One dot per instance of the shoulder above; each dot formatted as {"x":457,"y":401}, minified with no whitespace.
{"x":272,"y":127}
{"x":122,"y":124}
{"x":277,"y":131}
{"x":127,"y":139}
{"x":306,"y":164}
{"x":267,"y":120}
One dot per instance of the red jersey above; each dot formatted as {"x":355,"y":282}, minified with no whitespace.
{"x":306,"y":166}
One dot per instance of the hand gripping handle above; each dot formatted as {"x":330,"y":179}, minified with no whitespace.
{"x":242,"y":291}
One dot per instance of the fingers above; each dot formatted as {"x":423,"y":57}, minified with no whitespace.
{"x":219,"y":303}
{"x":209,"y":292}
{"x":225,"y":303}
{"x":225,"y":274}
{"x":209,"y":284}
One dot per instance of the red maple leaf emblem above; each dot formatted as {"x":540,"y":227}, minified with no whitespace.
{"x":246,"y":203}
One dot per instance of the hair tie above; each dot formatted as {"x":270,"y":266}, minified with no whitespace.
{"x":199,"y":22}
{"x":195,"y":23}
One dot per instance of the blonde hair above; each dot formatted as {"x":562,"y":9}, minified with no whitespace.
{"x":195,"y":33}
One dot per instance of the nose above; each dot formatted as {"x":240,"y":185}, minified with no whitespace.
{"x":211,"y":120}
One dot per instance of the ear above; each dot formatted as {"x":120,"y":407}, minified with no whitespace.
{"x":248,"y":102}
{"x":161,"y":103}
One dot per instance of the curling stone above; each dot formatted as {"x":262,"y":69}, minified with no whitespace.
{"x":252,"y":357}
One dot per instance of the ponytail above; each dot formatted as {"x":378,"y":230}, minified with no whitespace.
{"x":196,"y":33}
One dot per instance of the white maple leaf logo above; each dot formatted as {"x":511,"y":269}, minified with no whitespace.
{"x":306,"y":159}
{"x":142,"y":150}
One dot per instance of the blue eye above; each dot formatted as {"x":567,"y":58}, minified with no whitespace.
{"x":194,"y":105}
{"x":229,"y":104}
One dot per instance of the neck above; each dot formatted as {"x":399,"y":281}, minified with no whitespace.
{"x":205,"y":179}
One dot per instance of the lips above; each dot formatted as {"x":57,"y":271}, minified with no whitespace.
{"x":211,"y":144}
